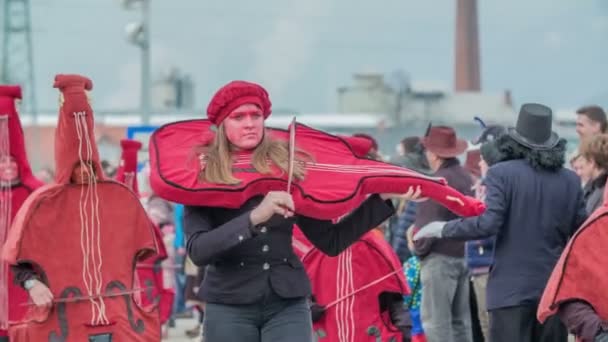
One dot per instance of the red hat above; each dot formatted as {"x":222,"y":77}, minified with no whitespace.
{"x":471,"y":163}
{"x":235,"y":94}
{"x":74,"y":136}
{"x":127,"y":170}
{"x":443,"y":142}
{"x":8,"y":95}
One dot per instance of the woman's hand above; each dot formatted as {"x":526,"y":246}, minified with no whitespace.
{"x":275,"y":203}
{"x":411,"y":195}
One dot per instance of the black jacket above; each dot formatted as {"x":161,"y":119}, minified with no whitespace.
{"x":242,"y":264}
{"x":532,"y":213}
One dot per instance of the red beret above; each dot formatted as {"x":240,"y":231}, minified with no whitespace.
{"x":235,"y":94}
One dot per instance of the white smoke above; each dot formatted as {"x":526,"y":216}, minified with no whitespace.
{"x":282,"y":55}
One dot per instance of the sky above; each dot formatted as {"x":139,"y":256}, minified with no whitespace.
{"x":549,"y":51}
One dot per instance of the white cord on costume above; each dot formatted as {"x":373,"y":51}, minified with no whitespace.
{"x":84,"y":229}
{"x":90,"y":231}
{"x":5,"y":219}
{"x":96,"y":224}
{"x":351,"y":281}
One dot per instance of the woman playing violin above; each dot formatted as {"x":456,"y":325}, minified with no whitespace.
{"x":255,"y":288}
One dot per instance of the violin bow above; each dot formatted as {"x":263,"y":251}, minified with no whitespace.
{"x":83,"y":298}
{"x":171,"y":267}
{"x":292,"y":153}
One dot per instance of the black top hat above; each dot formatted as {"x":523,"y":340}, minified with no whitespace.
{"x":533,"y":128}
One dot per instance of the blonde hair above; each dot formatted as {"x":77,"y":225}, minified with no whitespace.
{"x":217,"y":159}
{"x":595,"y":149}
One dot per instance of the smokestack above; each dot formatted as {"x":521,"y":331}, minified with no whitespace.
{"x":466,"y":66}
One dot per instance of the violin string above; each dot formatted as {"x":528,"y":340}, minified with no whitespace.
{"x":95,"y":224}
{"x":343,"y":307}
{"x":84,"y":229}
{"x":346,"y":304}
{"x":383,"y":169}
{"x":340,"y":308}
{"x":339,"y":319}
{"x":5,"y":218}
{"x":351,"y":313}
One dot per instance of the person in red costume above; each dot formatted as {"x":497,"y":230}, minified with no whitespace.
{"x":16,"y":183}
{"x":74,"y":243}
{"x":359,"y":294}
{"x":255,"y":287}
{"x":373,"y":295}
{"x":150,"y":271}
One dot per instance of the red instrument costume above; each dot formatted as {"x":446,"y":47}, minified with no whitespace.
{"x":12,"y":196}
{"x":350,"y":286}
{"x":580,"y":271}
{"x":337,"y":179}
{"x":149,"y":270}
{"x":83,"y":240}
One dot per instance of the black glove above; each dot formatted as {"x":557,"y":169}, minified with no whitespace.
{"x":316,"y":311}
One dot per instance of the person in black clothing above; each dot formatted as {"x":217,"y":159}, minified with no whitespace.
{"x":255,"y":287}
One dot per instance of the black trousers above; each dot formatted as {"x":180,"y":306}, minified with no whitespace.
{"x":519,"y":323}
{"x":272,"y":320}
{"x":475,"y":324}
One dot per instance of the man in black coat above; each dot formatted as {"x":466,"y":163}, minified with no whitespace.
{"x":534,"y":206}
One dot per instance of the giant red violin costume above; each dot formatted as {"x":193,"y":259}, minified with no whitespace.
{"x":349,"y":286}
{"x":149,"y":270}
{"x":12,"y":196}
{"x":337,"y":180}
{"x":83,"y":239}
{"x":580,"y":273}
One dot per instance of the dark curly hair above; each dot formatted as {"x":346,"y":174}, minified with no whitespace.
{"x":550,"y":160}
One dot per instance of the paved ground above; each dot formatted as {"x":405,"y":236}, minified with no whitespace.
{"x":178,"y":334}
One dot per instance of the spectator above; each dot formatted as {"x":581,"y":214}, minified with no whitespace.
{"x":595,"y":153}
{"x":446,"y":315}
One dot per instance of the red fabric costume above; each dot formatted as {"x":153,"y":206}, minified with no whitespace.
{"x":149,"y":270}
{"x":175,"y":169}
{"x":580,"y":272}
{"x":12,"y":196}
{"x":83,"y":239}
{"x":356,"y":316}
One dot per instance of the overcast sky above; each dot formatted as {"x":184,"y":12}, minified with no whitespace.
{"x":549,"y":51}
